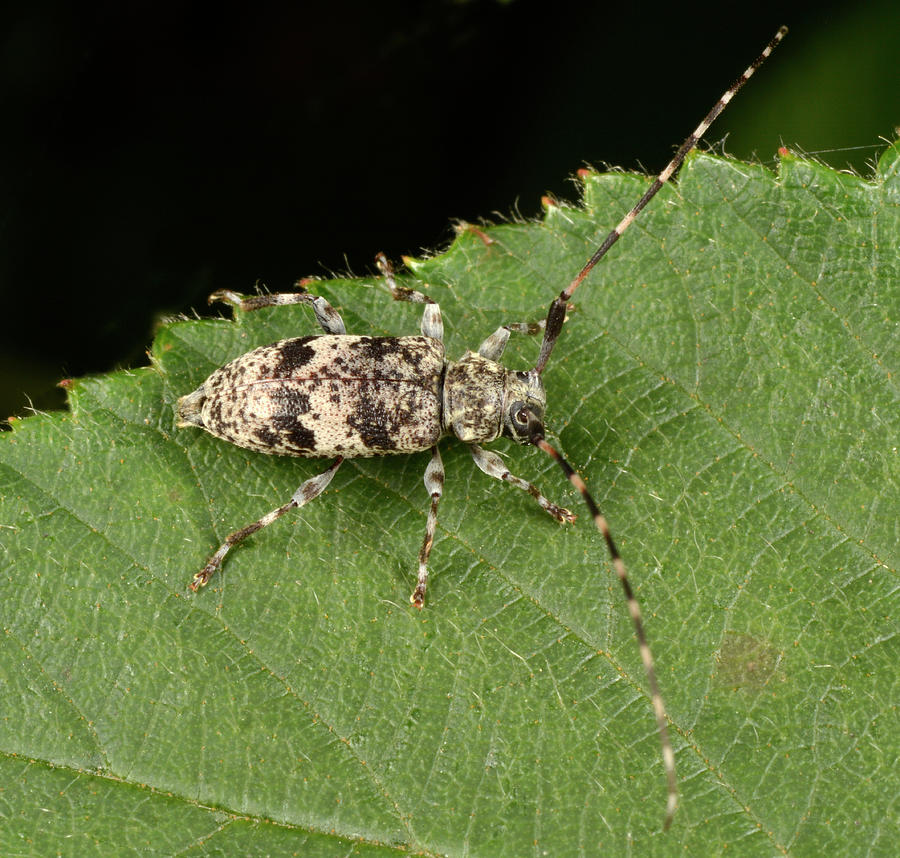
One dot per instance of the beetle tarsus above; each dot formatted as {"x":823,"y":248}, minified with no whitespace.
{"x":201,"y":579}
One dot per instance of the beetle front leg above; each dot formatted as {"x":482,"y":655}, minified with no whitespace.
{"x":492,"y":348}
{"x":493,"y":466}
{"x":312,"y":488}
{"x":328,"y":318}
{"x":434,"y":483}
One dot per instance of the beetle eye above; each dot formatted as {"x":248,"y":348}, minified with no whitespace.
{"x":518,"y":413}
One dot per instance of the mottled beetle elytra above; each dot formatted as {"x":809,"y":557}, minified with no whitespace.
{"x":342,"y":396}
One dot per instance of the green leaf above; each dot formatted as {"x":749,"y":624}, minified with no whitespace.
{"x":727,"y":385}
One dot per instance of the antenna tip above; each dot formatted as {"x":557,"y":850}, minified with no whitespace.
{"x":671,"y":807}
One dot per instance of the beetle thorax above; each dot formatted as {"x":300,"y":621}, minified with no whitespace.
{"x":482,"y":399}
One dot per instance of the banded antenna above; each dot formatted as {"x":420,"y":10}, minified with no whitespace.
{"x":553,"y":326}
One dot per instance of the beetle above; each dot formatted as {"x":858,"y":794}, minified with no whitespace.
{"x":347,"y":396}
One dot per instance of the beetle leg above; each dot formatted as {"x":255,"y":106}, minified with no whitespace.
{"x":432,"y":324}
{"x":493,"y":466}
{"x":492,"y":348}
{"x":399,"y":293}
{"x":434,"y":483}
{"x":312,"y":488}
{"x":328,"y":318}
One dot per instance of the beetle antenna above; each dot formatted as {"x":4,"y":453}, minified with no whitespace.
{"x":557,"y":313}
{"x":634,"y":608}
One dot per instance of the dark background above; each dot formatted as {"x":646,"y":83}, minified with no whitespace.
{"x":155,"y":152}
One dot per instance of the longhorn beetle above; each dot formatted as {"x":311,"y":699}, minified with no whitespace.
{"x":343,"y":396}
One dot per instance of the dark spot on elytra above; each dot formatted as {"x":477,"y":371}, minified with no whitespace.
{"x":266,"y":437}
{"x":215,"y":411}
{"x":375,"y":348}
{"x":377,"y":426}
{"x":292,"y":355}
{"x":409,"y":353}
{"x":285,"y":423}
{"x":289,"y":404}
{"x":302,"y":438}
{"x":294,"y":435}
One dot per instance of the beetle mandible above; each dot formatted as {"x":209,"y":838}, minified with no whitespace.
{"x":344,"y":396}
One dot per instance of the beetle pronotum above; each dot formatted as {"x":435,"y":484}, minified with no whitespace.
{"x":342,"y":396}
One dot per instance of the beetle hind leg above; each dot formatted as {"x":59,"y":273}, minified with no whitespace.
{"x":328,"y":318}
{"x":308,"y":490}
